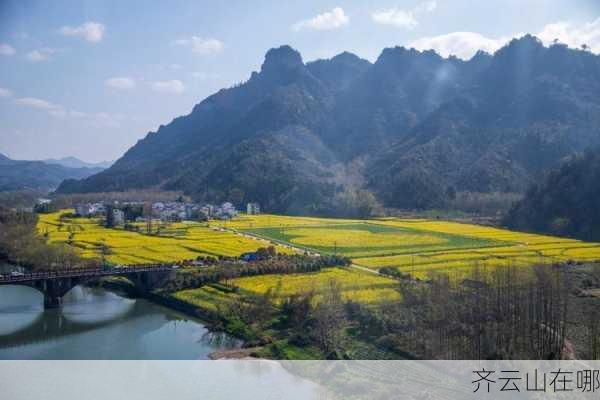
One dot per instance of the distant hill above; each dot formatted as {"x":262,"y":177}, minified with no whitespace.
{"x":19,"y":175}
{"x":73,"y":162}
{"x":414,"y":128}
{"x":566,"y":202}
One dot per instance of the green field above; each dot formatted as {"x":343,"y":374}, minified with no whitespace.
{"x":370,"y":239}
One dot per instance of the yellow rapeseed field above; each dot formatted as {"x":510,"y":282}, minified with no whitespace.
{"x":419,"y":246}
{"x":206,"y":297}
{"x":415,"y":246}
{"x":118,"y":246}
{"x":356,"y":285}
{"x":276,"y":221}
{"x":358,"y":238}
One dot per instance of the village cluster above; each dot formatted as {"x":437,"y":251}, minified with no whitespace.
{"x":165,"y":211}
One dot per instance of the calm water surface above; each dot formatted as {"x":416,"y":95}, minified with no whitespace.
{"x":99,"y":324}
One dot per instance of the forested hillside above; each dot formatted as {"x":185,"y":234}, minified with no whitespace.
{"x":413,"y":128}
{"x":566,"y":203}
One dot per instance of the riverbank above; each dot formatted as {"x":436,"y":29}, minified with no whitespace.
{"x":263,"y":330}
{"x":213,"y":321}
{"x":236,"y":354}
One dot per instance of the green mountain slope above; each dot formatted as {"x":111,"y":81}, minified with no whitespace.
{"x":565,"y":203}
{"x":412,"y":127}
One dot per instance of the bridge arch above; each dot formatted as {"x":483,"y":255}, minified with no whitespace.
{"x":54,"y":285}
{"x":54,"y":290}
{"x":22,"y":300}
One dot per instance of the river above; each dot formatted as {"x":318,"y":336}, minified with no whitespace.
{"x":97,"y":324}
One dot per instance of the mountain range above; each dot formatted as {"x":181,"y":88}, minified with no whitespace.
{"x":413,"y":128}
{"x":21,"y":174}
{"x":74,"y":162}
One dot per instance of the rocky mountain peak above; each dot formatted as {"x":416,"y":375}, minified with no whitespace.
{"x":280,"y":59}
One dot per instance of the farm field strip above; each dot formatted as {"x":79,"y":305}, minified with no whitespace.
{"x":278,"y":221}
{"x":356,"y":285}
{"x":422,"y":245}
{"x":206,"y":297}
{"x":119,"y":246}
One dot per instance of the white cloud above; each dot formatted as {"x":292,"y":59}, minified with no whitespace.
{"x":573,"y":35}
{"x":121,"y":83}
{"x":41,"y":54}
{"x":175,"y":66}
{"x":97,"y":120}
{"x":203,"y":76}
{"x":5,"y":92}
{"x":329,"y":20}
{"x":395,"y":17}
{"x":428,"y":6}
{"x":171,"y":87}
{"x":466,"y":44}
{"x":33,"y":102}
{"x":461,"y":44}
{"x":7,"y":50}
{"x":403,"y":18}
{"x":105,"y":119}
{"x":200,"y":45}
{"x":90,"y":31}
{"x":100,"y":119}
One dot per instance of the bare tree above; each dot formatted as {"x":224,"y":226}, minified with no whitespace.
{"x":330,"y":320}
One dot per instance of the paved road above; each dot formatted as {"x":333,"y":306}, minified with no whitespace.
{"x":371,"y":271}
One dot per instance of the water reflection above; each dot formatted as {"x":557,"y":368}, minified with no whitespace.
{"x":92,"y":305}
{"x":98,"y":324}
{"x":20,"y":307}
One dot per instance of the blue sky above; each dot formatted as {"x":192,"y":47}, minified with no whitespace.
{"x":90,"y":78}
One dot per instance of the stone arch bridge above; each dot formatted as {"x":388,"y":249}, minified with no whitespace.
{"x":55,"y":284}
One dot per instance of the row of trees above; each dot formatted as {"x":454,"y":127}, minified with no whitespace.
{"x":513,"y":315}
{"x":225,"y":271}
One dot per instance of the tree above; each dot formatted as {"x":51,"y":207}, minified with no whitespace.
{"x":330,"y":320}
{"x":355,"y":203}
{"x":148,"y":216}
{"x":296,"y":316}
{"x":109,"y":221}
{"x":262,"y":254}
{"x":366,"y":204}
{"x":21,"y":245}
{"x":236,"y":196}
{"x":451,"y":193}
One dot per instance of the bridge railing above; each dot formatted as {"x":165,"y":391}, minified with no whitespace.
{"x":76,"y":273}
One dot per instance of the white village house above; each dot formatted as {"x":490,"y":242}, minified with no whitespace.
{"x":253,"y":209}
{"x":118,"y":217}
{"x":166,"y":211}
